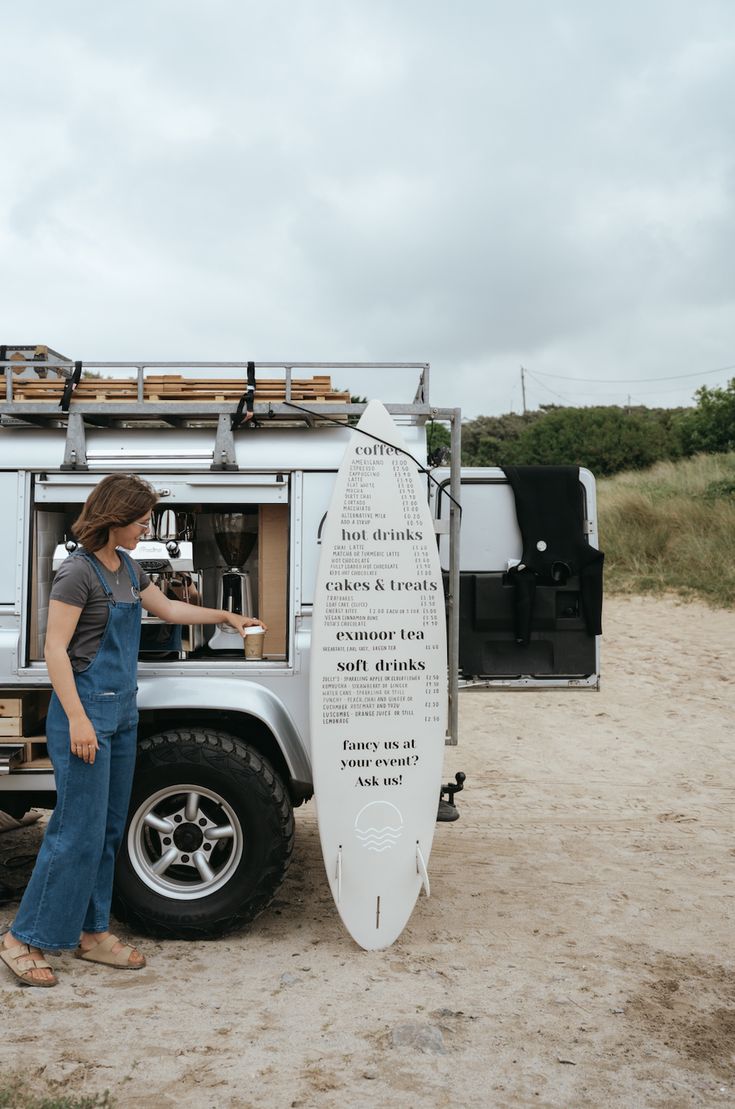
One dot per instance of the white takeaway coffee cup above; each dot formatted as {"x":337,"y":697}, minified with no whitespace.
{"x":253,"y":642}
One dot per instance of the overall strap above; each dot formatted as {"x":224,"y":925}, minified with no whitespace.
{"x":127,"y":560}
{"x":93,"y":563}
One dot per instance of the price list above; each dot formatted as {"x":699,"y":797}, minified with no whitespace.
{"x":382,"y":640}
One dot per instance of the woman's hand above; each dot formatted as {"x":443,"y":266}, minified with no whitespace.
{"x":240,"y":622}
{"x":83,"y":739}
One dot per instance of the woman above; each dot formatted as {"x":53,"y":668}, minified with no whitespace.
{"x":91,"y":651}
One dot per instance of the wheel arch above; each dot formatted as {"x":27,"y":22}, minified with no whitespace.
{"x":252,"y":713}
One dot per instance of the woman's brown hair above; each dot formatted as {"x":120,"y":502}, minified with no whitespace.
{"x":118,"y":500}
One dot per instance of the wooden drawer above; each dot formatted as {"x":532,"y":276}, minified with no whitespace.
{"x":21,"y":716}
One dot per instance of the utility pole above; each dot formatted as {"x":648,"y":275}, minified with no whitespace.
{"x":523,"y":389}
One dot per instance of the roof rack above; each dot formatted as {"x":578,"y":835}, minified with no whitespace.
{"x":166,"y":394}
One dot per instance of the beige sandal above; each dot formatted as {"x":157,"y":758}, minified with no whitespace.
{"x":19,"y":959}
{"x":102,"y":953}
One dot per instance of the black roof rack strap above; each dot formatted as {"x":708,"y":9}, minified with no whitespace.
{"x":246,"y":400}
{"x":70,"y":386}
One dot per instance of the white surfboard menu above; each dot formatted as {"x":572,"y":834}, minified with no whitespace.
{"x":378,"y":684}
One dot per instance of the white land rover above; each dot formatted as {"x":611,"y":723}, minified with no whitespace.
{"x":244,"y":460}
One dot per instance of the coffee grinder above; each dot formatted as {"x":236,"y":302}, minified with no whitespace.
{"x":236,"y":534}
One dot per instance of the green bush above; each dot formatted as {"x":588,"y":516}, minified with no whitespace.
{"x":493,"y":440}
{"x":604,"y":439}
{"x":438,"y":436}
{"x":710,"y":427}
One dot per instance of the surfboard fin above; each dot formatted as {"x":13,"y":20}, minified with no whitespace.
{"x":421,"y":869}
{"x":338,"y":876}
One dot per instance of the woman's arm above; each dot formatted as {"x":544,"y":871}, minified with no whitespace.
{"x":62,"y":622}
{"x":179,"y":612}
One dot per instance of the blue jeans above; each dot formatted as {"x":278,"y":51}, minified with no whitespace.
{"x":71,"y":886}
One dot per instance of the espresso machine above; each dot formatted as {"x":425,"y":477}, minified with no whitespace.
{"x":236,"y":534}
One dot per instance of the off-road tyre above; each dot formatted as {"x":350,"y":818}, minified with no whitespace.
{"x":237,"y":788}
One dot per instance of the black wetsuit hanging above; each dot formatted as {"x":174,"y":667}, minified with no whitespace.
{"x":550,"y":512}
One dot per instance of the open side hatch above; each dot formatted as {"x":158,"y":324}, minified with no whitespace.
{"x":558,"y":650}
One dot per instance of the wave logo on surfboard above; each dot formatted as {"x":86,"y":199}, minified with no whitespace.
{"x":378,"y":826}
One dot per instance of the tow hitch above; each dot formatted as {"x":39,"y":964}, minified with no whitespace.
{"x":448,"y":811}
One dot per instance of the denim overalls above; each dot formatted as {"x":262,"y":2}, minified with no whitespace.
{"x":71,"y":886}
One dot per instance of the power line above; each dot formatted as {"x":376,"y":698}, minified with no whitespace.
{"x":660,"y":392}
{"x":597,"y":396}
{"x":547,"y":388}
{"x":633,"y":380}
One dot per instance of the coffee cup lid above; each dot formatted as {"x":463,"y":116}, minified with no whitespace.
{"x":254,"y":630}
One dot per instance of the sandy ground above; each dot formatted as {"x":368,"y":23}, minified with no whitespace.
{"x":577,"y":949}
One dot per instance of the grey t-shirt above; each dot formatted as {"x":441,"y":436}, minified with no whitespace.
{"x":76,"y":583}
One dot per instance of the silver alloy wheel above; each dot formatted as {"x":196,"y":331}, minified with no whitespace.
{"x":185,"y":842}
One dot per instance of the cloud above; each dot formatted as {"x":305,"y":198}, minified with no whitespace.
{"x":478,"y":185}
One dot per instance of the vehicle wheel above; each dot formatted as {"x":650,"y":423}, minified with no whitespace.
{"x":209,"y":837}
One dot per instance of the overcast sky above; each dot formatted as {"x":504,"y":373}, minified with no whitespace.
{"x":477,"y":184}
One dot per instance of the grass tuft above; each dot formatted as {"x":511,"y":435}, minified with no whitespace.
{"x":672,"y":529}
{"x":16,"y":1094}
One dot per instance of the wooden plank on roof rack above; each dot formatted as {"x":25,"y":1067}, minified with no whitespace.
{"x":172,"y":387}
